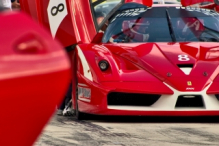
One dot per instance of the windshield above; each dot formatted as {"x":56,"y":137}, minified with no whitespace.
{"x":160,"y":24}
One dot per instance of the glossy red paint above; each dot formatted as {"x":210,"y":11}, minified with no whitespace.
{"x":144,"y":61}
{"x":144,"y":2}
{"x":192,"y":2}
{"x":214,"y":87}
{"x":147,"y":74}
{"x":32,"y":65}
{"x":81,"y":17}
{"x":30,"y":7}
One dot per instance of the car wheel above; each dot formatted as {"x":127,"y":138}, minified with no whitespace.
{"x":79,"y":115}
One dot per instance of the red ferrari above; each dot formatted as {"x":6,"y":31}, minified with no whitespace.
{"x":138,"y":59}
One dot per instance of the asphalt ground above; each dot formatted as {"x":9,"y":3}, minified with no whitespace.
{"x":130,"y":131}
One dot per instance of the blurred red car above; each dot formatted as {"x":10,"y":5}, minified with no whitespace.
{"x":34,"y":75}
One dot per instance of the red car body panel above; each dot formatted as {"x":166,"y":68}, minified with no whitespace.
{"x":144,"y":2}
{"x":192,"y":2}
{"x":145,"y":60}
{"x":32,"y":65}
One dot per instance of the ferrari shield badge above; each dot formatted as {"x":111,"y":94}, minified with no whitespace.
{"x":189,"y":83}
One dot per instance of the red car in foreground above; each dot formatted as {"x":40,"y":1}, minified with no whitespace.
{"x":138,"y":59}
{"x":33,"y":66}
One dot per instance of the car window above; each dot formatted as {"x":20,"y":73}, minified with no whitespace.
{"x":102,"y":8}
{"x":139,"y":30}
{"x":155,"y":25}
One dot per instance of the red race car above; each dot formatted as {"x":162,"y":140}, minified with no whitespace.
{"x":138,"y":59}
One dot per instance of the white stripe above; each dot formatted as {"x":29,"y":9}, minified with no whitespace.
{"x":186,"y":70}
{"x":86,"y":68}
{"x":83,"y":99}
{"x":56,"y":20}
{"x":77,"y":34}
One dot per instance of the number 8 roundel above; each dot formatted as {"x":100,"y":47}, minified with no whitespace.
{"x":56,"y":10}
{"x":183,"y":58}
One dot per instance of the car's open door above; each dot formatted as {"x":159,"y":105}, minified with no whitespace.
{"x":34,"y":76}
{"x":55,"y":16}
{"x":69,"y":21}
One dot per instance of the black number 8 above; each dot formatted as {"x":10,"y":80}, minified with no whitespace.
{"x":55,"y":10}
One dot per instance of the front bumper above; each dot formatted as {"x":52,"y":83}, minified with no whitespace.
{"x":166,"y":105}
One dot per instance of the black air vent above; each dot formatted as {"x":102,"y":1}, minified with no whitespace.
{"x":189,"y":101}
{"x":185,"y":65}
{"x":217,"y":96}
{"x":131,"y":99}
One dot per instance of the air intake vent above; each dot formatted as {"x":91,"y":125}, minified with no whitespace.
{"x":131,"y":99}
{"x":185,"y":65}
{"x":186,"y":68}
{"x":189,"y":101}
{"x":217,"y":96}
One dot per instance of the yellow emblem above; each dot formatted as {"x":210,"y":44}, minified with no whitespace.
{"x":189,"y":83}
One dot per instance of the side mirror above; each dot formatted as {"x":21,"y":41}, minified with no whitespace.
{"x":34,"y":76}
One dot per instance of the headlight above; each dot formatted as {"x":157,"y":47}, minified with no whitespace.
{"x":104,"y":65}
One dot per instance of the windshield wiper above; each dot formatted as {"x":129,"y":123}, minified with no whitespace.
{"x":170,"y":27}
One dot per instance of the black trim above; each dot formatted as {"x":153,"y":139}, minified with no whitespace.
{"x":70,"y":48}
{"x":97,"y":2}
{"x":93,"y":15}
{"x":172,"y":34}
{"x":107,"y":65}
{"x":131,"y":99}
{"x":184,"y":101}
{"x":185,"y":65}
{"x":217,"y":96}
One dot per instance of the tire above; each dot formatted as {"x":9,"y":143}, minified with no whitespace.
{"x":79,"y":115}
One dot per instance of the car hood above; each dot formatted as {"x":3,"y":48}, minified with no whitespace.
{"x":184,"y":66}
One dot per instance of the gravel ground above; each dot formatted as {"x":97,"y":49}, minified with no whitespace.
{"x":130,"y":131}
